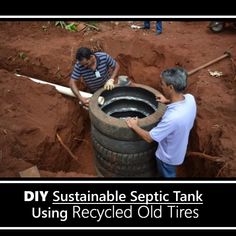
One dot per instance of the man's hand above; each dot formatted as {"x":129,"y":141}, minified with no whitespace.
{"x":162,"y":99}
{"x":85,"y":101}
{"x":131,"y":122}
{"x":109,"y":85}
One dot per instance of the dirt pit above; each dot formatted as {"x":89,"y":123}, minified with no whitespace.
{"x":35,"y":117}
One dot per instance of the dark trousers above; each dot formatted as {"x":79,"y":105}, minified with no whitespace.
{"x":165,"y":170}
{"x":158,"y":25}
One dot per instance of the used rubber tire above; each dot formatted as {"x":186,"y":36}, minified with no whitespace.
{"x":114,"y":164}
{"x":119,"y":151}
{"x":121,"y":146}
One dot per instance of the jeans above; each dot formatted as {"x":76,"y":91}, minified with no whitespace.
{"x":166,"y":170}
{"x":158,"y":26}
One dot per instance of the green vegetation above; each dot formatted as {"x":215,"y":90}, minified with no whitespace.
{"x":70,"y":27}
{"x":62,"y":24}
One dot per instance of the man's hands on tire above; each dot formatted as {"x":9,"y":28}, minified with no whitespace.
{"x":109,"y":85}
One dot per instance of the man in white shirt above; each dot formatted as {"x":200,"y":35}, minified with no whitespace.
{"x":172,"y":132}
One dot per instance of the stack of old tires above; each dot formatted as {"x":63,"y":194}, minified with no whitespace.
{"x":119,"y":151}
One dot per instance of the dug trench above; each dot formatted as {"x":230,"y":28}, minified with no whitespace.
{"x":35,"y":119}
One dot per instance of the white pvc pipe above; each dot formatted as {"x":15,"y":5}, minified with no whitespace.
{"x":64,"y":90}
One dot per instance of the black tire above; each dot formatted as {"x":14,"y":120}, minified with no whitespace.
{"x":117,"y":128}
{"x":121,"y":146}
{"x":113,"y":164}
{"x":119,"y":151}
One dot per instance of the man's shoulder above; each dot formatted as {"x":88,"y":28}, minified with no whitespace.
{"x":77,"y":65}
{"x":189,"y":95}
{"x":101,"y":54}
{"x":190,"y":98}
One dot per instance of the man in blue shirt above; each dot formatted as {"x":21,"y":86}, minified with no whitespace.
{"x":172,"y":132}
{"x":96,"y":69}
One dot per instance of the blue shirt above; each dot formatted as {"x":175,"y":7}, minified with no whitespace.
{"x":172,"y":132}
{"x":104,"y":62}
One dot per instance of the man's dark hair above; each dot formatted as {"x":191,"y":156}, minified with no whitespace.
{"x":83,"y":53}
{"x":177,"y":77}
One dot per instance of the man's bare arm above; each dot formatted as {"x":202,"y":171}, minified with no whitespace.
{"x":133,"y":124}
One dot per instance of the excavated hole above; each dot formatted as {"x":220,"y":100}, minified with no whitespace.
{"x":129,"y":103}
{"x":119,"y":105}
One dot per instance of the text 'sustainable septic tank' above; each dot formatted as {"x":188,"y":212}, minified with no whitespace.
{"x":119,"y":151}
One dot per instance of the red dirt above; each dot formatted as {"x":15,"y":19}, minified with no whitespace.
{"x":32,"y":114}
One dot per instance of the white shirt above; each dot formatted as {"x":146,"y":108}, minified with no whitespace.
{"x":172,"y":132}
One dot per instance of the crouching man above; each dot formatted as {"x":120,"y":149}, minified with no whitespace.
{"x":96,"y":69}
